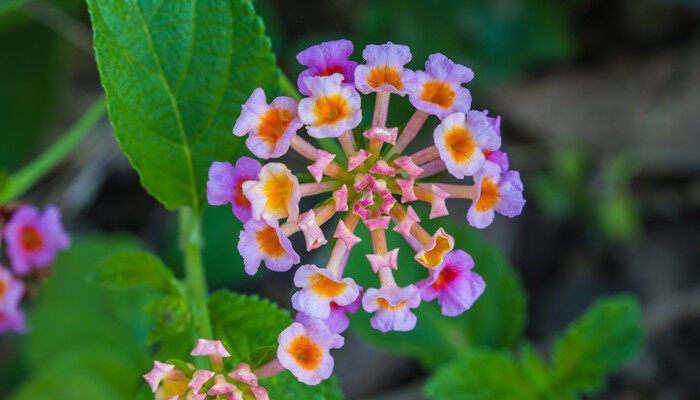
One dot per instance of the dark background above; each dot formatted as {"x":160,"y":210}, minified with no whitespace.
{"x":600,"y":103}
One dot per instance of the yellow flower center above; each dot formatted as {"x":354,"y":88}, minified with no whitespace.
{"x":325,"y":286}
{"x":387,"y":306}
{"x":306,"y":353}
{"x":278,"y":189}
{"x":269,"y":242}
{"x":438,"y":93}
{"x":459,"y":143}
{"x":384,"y":76}
{"x":488,"y":197}
{"x":273,"y":124}
{"x":433,"y":257}
{"x":331,"y":109}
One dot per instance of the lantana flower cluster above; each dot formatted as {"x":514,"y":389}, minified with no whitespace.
{"x":31,"y":241}
{"x":185,"y":382}
{"x":377,"y":186}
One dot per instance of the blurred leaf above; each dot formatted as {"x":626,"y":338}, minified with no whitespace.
{"x":30,"y":85}
{"x":481,"y":375}
{"x":84,"y":341}
{"x":618,"y":216}
{"x":261,"y":356}
{"x":134,"y":269}
{"x":248,"y":323}
{"x":495,"y":321}
{"x":175,"y":75}
{"x":605,"y":338}
{"x":172,"y":316}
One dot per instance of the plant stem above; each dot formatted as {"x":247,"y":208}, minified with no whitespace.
{"x":26,"y":177}
{"x":191,"y":241}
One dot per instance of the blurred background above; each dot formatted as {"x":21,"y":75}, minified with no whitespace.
{"x":600,"y":106}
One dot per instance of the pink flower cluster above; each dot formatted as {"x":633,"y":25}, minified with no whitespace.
{"x":189,"y":383}
{"x":371,"y":182}
{"x":32,"y":240}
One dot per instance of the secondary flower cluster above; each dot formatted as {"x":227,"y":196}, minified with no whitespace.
{"x":189,"y":383}
{"x":371,"y":182}
{"x":31,"y":240}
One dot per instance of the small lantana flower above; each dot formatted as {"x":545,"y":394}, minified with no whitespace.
{"x":225,"y":185}
{"x":11,"y":292}
{"x":326,"y":59}
{"x":304,"y":350}
{"x":34,"y":238}
{"x":373,"y":188}
{"x":496,"y":191}
{"x":453,"y":283}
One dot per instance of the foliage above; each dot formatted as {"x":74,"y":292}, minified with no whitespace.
{"x":85,"y":342}
{"x":175,"y":74}
{"x":602,"y":340}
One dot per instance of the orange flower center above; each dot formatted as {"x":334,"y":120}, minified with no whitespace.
{"x":3,"y":286}
{"x":331,"y":109}
{"x":387,"y":306}
{"x":336,"y":69}
{"x":306,"y":353}
{"x":438,"y":93}
{"x":433,"y":257}
{"x":488,"y":197}
{"x":278,"y":189}
{"x":273,"y":123}
{"x":447,"y":276}
{"x":31,"y":239}
{"x":459,"y":143}
{"x":325,"y":286}
{"x":240,"y":199}
{"x":384,"y":76}
{"x":269,"y":242}
{"x":169,"y":389}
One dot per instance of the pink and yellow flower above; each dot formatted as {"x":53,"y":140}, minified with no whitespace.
{"x":304,"y":350}
{"x":384,"y":70}
{"x":264,"y":241}
{"x":270,"y":128}
{"x":11,"y":292}
{"x":332,"y":109}
{"x":392,"y":307}
{"x":497,"y":191}
{"x":33,"y":239}
{"x":319,"y":288}
{"x":275,"y":194}
{"x":326,"y":59}
{"x":462,"y":139}
{"x":438,"y":89}
{"x":225,"y":185}
{"x":453,"y":283}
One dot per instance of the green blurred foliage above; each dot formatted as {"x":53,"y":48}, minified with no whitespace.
{"x":84,"y":341}
{"x":598,"y":192}
{"x":605,"y":338}
{"x":31,"y":84}
{"x":495,"y":321}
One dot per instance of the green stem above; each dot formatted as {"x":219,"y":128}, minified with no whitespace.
{"x":191,"y":241}
{"x":26,"y":177}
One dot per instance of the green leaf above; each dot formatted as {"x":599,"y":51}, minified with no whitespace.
{"x":84,"y":341}
{"x":261,"y":356}
{"x":175,"y":74}
{"x":495,"y":321}
{"x":134,"y":269}
{"x":248,"y":323}
{"x":602,"y":340}
{"x":481,"y":375}
{"x":172,"y":316}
